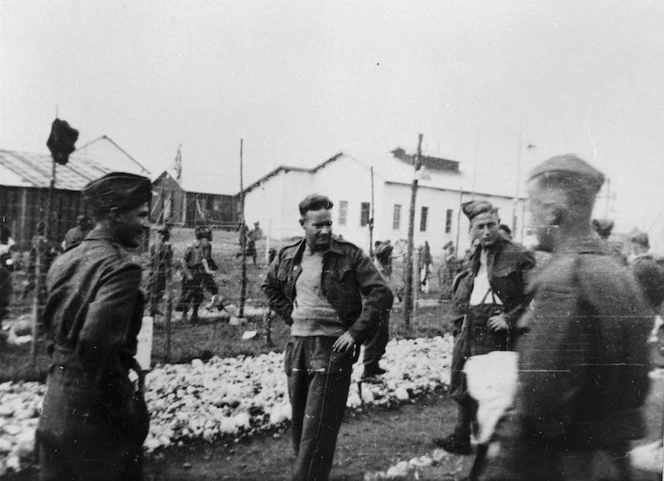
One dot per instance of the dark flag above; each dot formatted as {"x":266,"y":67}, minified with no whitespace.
{"x":61,"y":141}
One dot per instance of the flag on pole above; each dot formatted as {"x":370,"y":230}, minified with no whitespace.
{"x":61,"y":142}
{"x":177,"y":165}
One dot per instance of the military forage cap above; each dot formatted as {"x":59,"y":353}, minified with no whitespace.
{"x":118,"y":190}
{"x":641,"y":238}
{"x":474,"y":208}
{"x":603,"y":227}
{"x":570,"y":164}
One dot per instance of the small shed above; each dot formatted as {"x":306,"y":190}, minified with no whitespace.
{"x":172,"y":202}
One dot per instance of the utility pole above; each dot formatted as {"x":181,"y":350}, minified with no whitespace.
{"x":371,"y":220}
{"x":243,"y":241}
{"x":516,"y":191}
{"x":408,"y":295}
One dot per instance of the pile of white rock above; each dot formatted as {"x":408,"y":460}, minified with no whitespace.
{"x":231,"y":397}
{"x":19,"y":404}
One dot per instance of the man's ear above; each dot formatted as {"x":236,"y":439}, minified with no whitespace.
{"x":302,"y":222}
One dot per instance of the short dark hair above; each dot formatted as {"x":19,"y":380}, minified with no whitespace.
{"x":203,"y":232}
{"x":314,"y":202}
{"x":505,"y":228}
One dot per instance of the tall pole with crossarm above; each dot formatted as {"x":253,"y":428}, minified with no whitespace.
{"x":408,"y":294}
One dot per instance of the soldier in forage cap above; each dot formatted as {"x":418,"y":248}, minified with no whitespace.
{"x":583,"y":367}
{"x":94,"y":420}
{"x":489,"y":296}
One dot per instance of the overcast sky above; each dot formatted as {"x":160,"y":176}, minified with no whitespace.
{"x":301,"y":81}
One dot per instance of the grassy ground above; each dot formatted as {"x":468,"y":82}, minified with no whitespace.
{"x":213,"y":336}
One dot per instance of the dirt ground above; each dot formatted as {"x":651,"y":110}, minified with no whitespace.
{"x":370,"y":440}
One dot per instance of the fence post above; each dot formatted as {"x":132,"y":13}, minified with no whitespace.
{"x":167,"y":322}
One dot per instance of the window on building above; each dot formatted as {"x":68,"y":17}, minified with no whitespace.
{"x":448,"y":221}
{"x":423,"y":219}
{"x":396,"y":218}
{"x":364,"y":213}
{"x":343,"y":212}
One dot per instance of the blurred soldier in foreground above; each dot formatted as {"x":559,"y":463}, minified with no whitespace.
{"x":161,"y":262}
{"x":94,"y":419}
{"x":317,"y":286}
{"x":75,"y":235}
{"x":489,"y":298}
{"x":583,"y":367}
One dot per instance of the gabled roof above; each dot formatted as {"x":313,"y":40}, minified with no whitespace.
{"x":285,"y":169}
{"x":202,"y":185}
{"x":22,"y":169}
{"x":108,"y":153}
{"x":397,"y":171}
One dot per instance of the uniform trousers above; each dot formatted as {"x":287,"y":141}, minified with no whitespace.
{"x":318,"y":384}
{"x":374,"y":347}
{"x":82,"y":438}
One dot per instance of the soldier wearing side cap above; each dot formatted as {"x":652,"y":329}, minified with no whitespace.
{"x":489,"y":297}
{"x":583,"y":367}
{"x":94,"y":418}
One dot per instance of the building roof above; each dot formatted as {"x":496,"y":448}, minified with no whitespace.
{"x":439,"y":174}
{"x":202,"y":185}
{"x":109,"y":154}
{"x":22,"y":169}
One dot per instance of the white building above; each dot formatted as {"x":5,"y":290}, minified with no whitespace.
{"x":347,"y":180}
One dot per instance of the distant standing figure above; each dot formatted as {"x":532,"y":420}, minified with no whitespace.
{"x":505,"y":231}
{"x":425,"y":263}
{"x":603,"y":228}
{"x":649,"y":274}
{"x":6,"y":269}
{"x":161,"y":263}
{"x":383,"y":253}
{"x":75,"y":235}
{"x":49,"y":252}
{"x":257,"y":231}
{"x":449,"y":268}
{"x":197,"y":274}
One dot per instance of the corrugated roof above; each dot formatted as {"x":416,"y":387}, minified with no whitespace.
{"x":23,"y":169}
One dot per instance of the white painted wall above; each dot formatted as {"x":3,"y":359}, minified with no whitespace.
{"x":275,"y":203}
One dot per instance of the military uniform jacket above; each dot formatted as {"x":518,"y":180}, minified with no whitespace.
{"x":348,"y":275}
{"x":584,"y":365}
{"x":93,"y":312}
{"x":508,"y":266}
